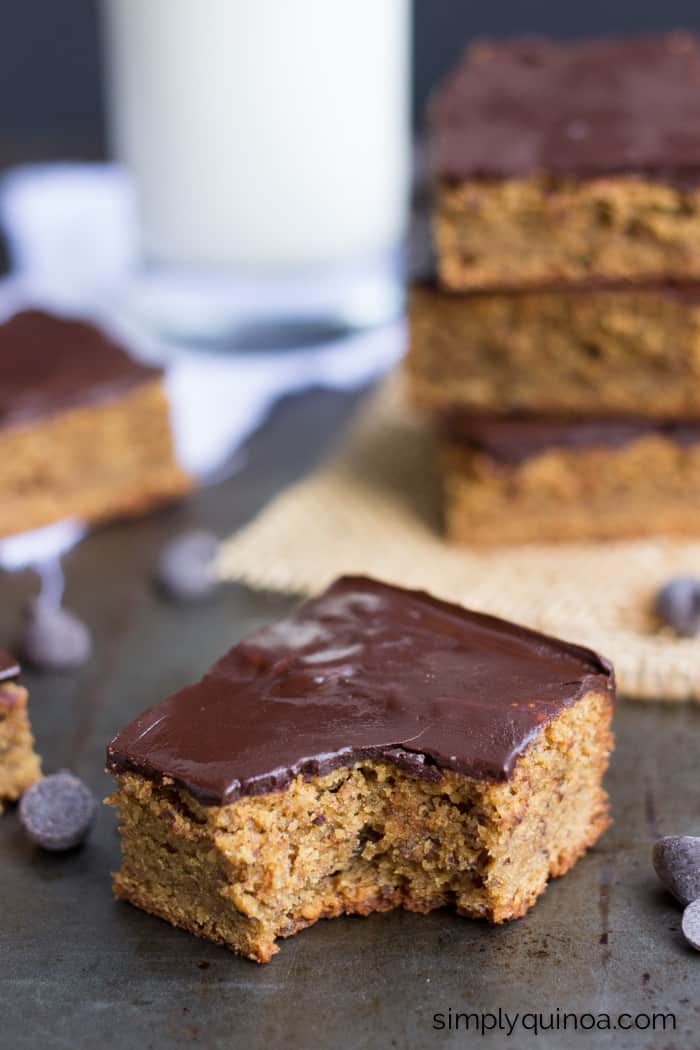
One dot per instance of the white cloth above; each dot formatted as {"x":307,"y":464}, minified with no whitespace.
{"x":72,"y":235}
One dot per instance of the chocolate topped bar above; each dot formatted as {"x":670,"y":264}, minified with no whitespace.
{"x":49,"y":364}
{"x":566,"y":163}
{"x":588,"y":107}
{"x":366,"y":670}
{"x":515,"y":439}
{"x":85,"y":430}
{"x":9,"y":668}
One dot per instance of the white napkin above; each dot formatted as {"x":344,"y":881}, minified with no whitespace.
{"x":72,"y":235}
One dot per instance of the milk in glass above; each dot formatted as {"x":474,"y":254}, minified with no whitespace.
{"x":269,"y":144}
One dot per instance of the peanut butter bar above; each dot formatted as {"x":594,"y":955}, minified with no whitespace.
{"x":377,"y":749}
{"x":567,"y":161}
{"x":84,"y":428}
{"x":549,"y":479}
{"x":19,"y":763}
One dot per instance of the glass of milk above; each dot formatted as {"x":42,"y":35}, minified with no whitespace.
{"x":269,"y":146}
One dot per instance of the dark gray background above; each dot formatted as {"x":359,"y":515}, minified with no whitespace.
{"x":49,"y":52}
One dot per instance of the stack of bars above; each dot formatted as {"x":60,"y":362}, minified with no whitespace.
{"x":558,"y":350}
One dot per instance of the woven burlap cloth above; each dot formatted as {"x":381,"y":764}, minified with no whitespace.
{"x":374,"y":508}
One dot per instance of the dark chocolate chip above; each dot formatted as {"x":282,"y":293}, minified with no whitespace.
{"x":676,"y":861}
{"x":186,"y":568}
{"x":57,"y":812}
{"x":691,"y":924}
{"x":54,"y":638}
{"x":678,"y":605}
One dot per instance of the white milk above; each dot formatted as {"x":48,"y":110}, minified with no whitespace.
{"x":264,"y":134}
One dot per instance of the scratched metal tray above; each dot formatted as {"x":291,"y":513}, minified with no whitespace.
{"x":78,"y":970}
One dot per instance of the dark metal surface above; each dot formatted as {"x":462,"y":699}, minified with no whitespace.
{"x":80,"y":971}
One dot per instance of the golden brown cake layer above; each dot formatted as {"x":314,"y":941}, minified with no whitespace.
{"x":648,"y":486}
{"x":601,"y":351}
{"x":98,"y":461}
{"x":540,"y":229}
{"x":19,"y":763}
{"x":366,"y":837}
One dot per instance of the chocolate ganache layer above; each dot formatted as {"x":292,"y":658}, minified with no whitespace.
{"x":49,"y":364}
{"x":580,"y":108}
{"x":515,"y":439}
{"x":366,"y":670}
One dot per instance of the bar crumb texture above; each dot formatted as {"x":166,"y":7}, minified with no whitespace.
{"x":92,"y":463}
{"x":596,"y":351}
{"x":526,"y":232}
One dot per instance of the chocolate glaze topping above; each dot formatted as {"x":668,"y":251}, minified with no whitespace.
{"x":514,"y":439}
{"x":49,"y":364}
{"x":573,"y":108}
{"x":9,"y":668}
{"x":365,"y":670}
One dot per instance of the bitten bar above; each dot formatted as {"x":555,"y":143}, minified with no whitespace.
{"x":379,"y":748}
{"x":19,"y":763}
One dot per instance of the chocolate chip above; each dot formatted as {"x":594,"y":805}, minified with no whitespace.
{"x":676,"y":861}
{"x":690,"y":924}
{"x":678,"y":605}
{"x":57,"y":812}
{"x":54,"y":638}
{"x":186,"y":568}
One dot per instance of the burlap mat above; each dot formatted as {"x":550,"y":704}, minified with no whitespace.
{"x":375,"y":509}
